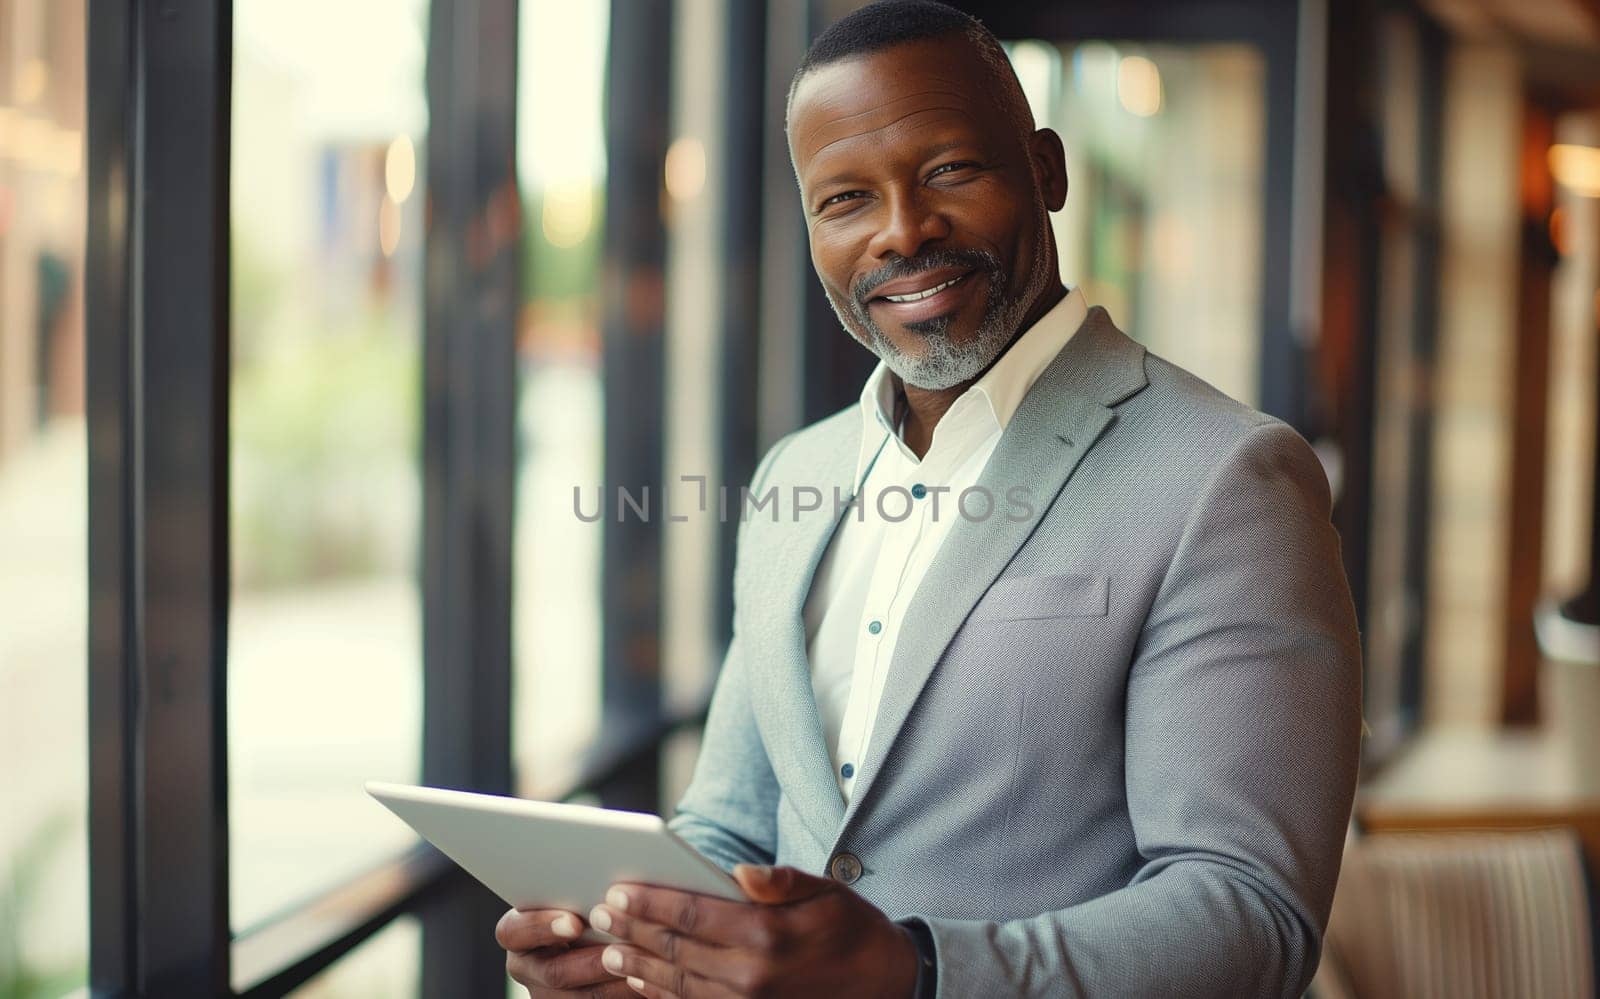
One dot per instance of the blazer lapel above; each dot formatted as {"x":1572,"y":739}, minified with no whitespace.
{"x":786,"y":707}
{"x":1059,"y":420}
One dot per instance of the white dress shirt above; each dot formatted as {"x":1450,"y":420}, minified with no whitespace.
{"x":882,"y":548}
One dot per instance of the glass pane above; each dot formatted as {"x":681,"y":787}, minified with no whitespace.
{"x":44,"y":920}
{"x":388,"y":966}
{"x":561,"y":168}
{"x":1162,"y":224}
{"x":324,"y":674}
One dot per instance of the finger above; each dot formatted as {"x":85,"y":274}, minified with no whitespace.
{"x":527,"y":929}
{"x":778,"y":885}
{"x":638,"y":986}
{"x":614,"y":989}
{"x":666,"y":978}
{"x":707,"y":960}
{"x":702,"y":917}
{"x":549,"y":968}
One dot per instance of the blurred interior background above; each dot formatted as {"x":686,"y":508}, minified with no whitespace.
{"x":313,"y":316}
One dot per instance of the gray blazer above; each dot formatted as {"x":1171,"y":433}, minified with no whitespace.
{"x":1118,"y":744}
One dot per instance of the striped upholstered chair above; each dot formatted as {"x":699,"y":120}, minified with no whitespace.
{"x":1491,"y":915}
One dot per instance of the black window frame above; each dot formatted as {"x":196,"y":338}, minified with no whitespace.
{"x":158,"y":333}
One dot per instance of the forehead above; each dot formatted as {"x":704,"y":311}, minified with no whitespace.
{"x":884,"y":98}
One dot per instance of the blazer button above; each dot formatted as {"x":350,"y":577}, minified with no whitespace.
{"x":846,"y":868}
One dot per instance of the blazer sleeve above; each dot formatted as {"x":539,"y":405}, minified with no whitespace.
{"x":1243,"y":725}
{"x":730,"y":811}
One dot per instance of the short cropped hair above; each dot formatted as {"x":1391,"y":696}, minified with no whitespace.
{"x":886,"y":23}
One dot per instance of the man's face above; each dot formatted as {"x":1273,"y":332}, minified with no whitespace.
{"x":927,"y":207}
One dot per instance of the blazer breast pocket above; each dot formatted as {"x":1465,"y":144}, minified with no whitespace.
{"x":1030,"y":598}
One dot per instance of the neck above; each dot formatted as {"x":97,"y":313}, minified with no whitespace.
{"x":926,"y":407}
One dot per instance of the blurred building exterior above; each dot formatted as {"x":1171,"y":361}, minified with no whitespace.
{"x":319,"y":323}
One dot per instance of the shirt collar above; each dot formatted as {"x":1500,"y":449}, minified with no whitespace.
{"x":1003,"y":386}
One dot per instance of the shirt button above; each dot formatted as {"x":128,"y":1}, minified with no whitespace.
{"x":847,"y":771}
{"x":874,"y":627}
{"x":846,"y":868}
{"x":919,"y":490}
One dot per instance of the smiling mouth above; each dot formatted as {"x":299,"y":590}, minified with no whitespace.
{"x":917,"y":296}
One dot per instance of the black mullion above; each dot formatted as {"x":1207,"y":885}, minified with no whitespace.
{"x":181,"y":222}
{"x":495,"y":311}
{"x":469,"y":394}
{"x":444,"y":576}
{"x":158,"y":371}
{"x":471,"y":305}
{"x":633,"y":282}
{"x":744,"y":137}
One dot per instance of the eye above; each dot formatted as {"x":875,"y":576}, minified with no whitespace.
{"x":840,"y":199}
{"x":948,"y":167}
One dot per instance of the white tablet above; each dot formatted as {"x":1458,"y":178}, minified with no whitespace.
{"x":542,"y":855}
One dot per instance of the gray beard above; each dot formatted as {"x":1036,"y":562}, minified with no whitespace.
{"x":943,"y":362}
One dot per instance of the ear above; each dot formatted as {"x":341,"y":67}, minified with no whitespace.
{"x":1050,"y":165}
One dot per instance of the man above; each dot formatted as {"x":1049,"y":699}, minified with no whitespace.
{"x":1099,"y":738}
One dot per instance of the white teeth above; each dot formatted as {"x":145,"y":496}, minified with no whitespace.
{"x":917,"y":296}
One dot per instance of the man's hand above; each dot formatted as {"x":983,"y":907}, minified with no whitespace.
{"x":799,"y":936}
{"x":540,"y":955}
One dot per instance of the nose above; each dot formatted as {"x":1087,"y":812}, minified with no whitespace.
{"x":909,"y":224}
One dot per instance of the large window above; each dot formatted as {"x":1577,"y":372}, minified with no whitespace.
{"x":324,"y":651}
{"x":561,"y":169}
{"x":43,"y":519}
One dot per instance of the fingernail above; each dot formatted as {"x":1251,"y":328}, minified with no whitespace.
{"x":599,"y":918}
{"x":565,"y":926}
{"x":617,"y":899}
{"x":612,"y":959}
{"x":760,"y":872}
{"x":636,"y":984}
